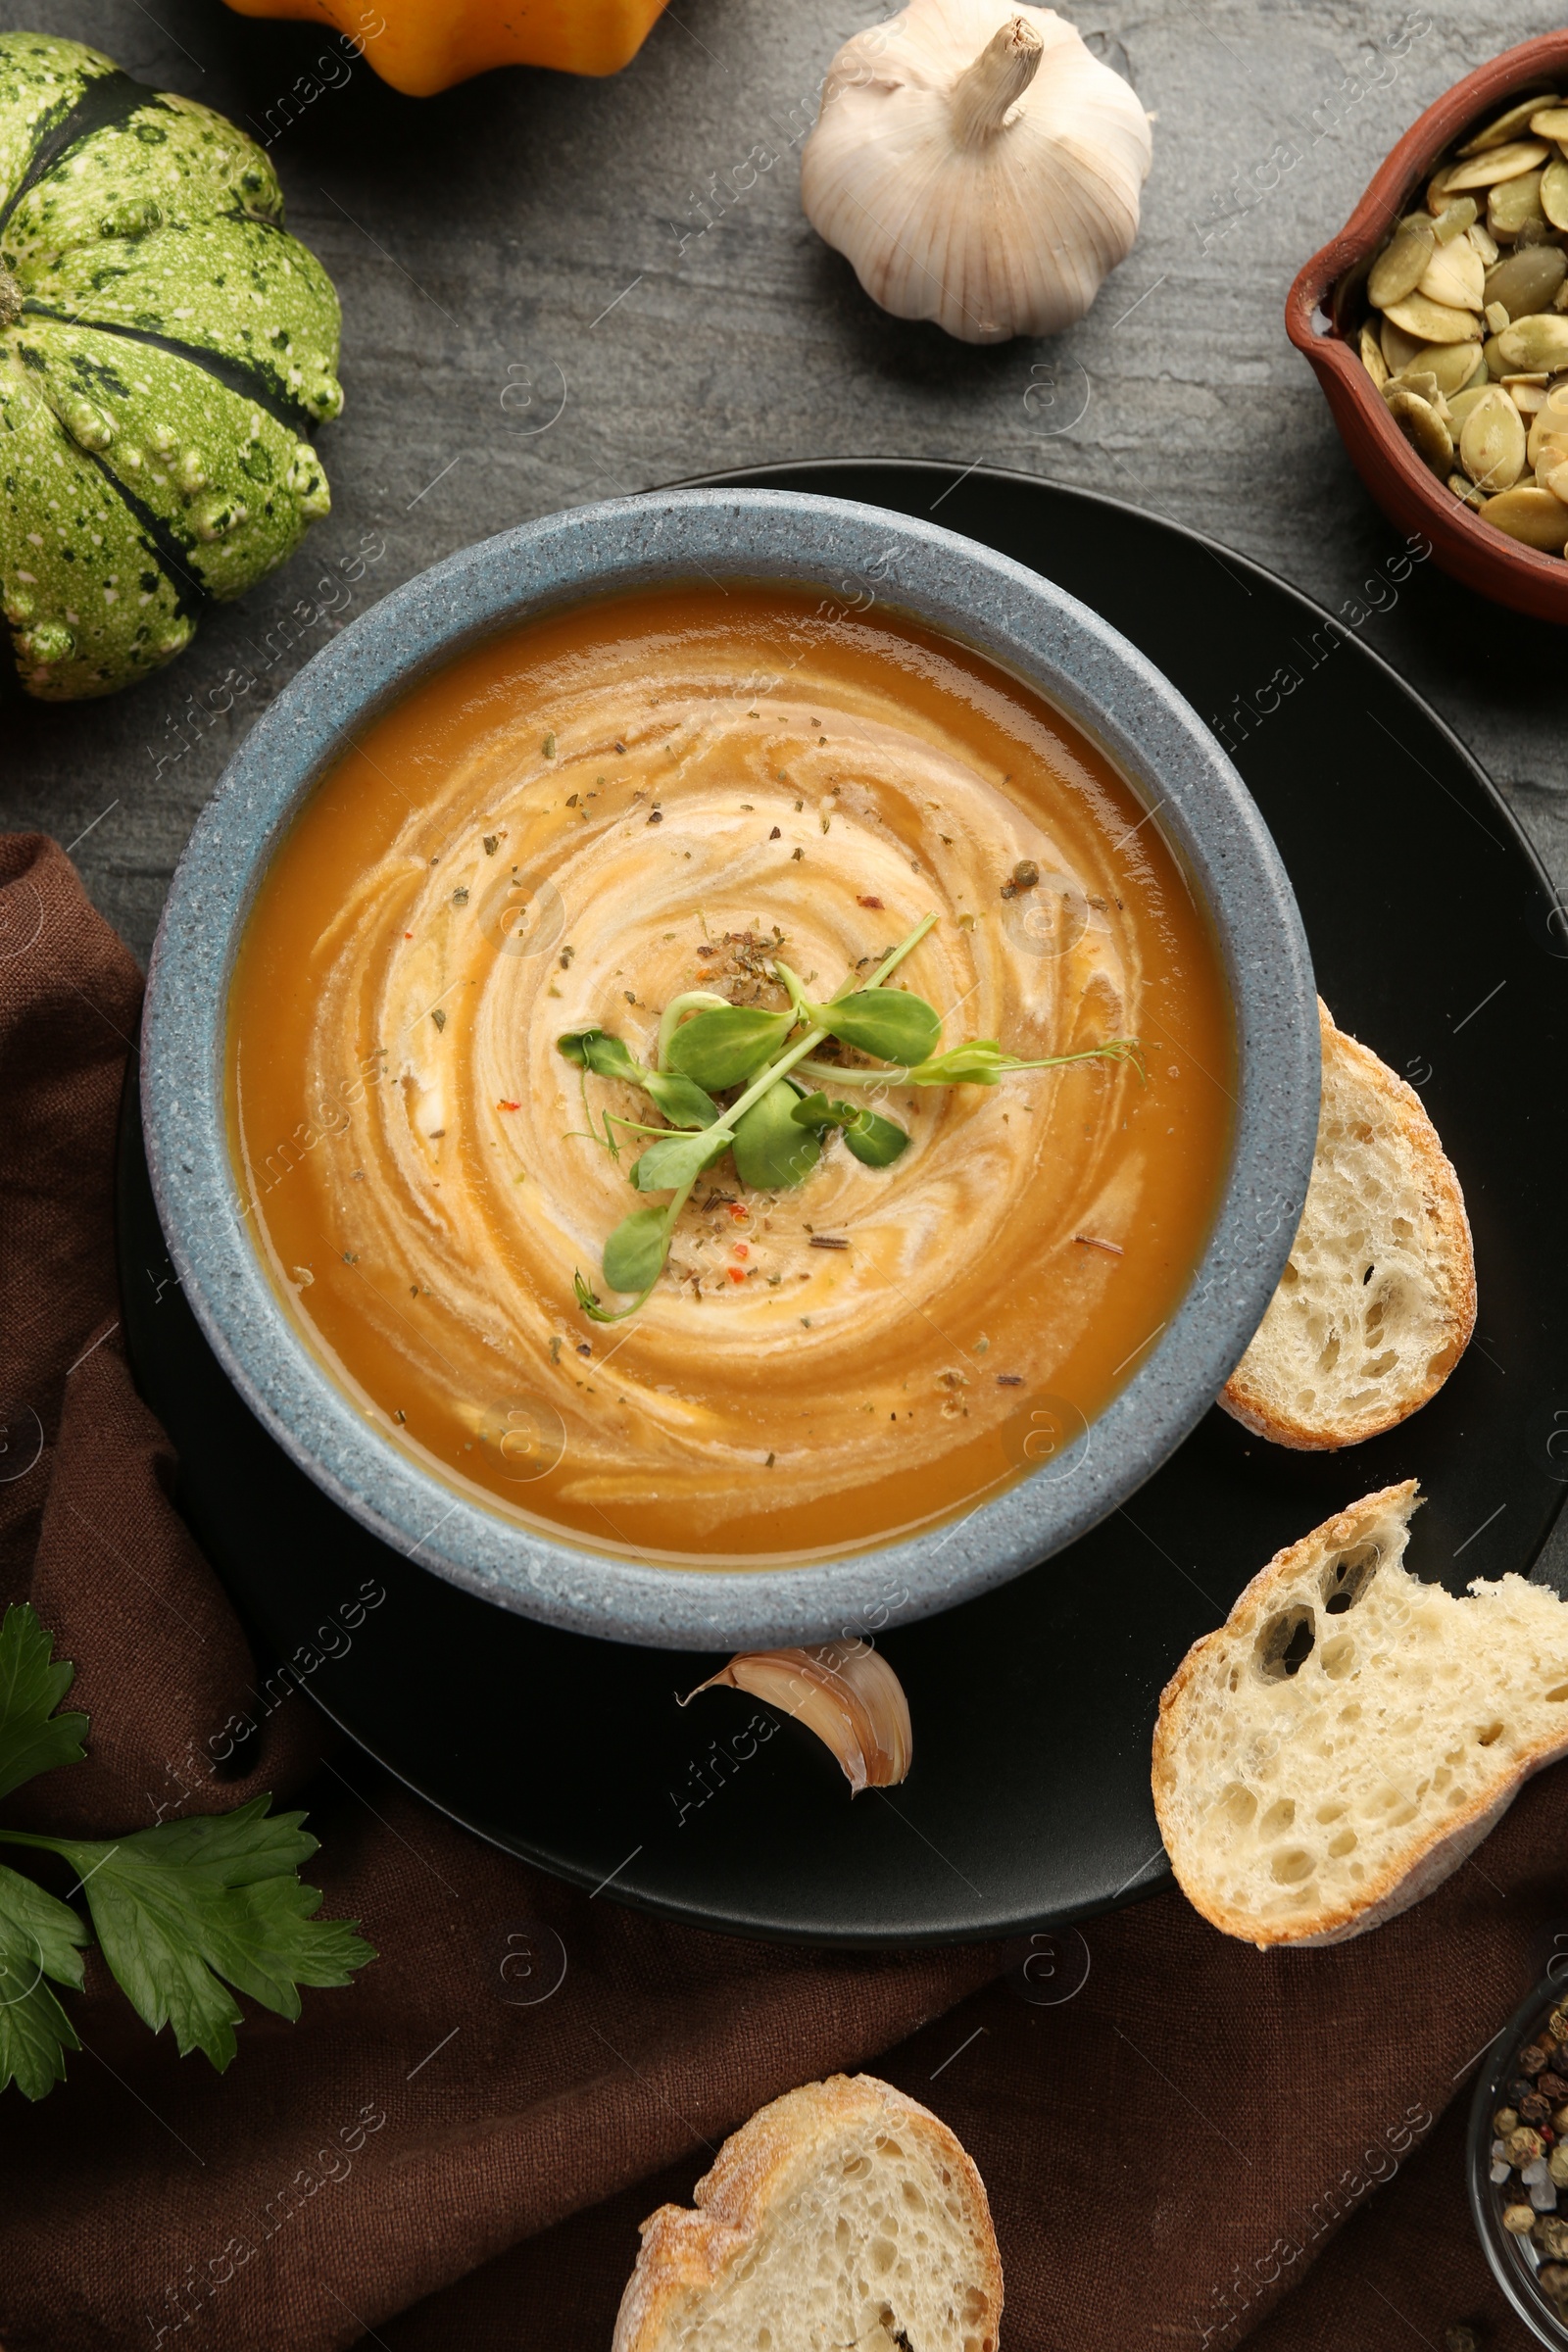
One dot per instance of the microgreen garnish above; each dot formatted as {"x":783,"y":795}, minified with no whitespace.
{"x":773,"y":1129}
{"x":873,"y":1140}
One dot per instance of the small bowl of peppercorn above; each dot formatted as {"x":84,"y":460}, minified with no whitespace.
{"x":1519,"y":2162}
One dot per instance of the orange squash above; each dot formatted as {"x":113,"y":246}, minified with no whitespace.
{"x":421,"y":46}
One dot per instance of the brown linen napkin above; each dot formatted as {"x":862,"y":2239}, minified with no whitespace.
{"x":1167,"y":2152}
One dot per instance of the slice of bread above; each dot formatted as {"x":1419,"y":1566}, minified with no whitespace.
{"x":843,"y":2216}
{"x":1378,"y":1299}
{"x":1350,"y":1734}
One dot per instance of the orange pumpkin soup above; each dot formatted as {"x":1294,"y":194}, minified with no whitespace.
{"x":603,"y":810}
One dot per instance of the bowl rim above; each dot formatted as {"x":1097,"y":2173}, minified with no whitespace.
{"x":1513,"y":2277}
{"x":1407,"y":163}
{"x":1012,"y":615}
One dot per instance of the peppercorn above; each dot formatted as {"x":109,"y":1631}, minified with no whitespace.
{"x":1553,"y":2278}
{"x":1519,"y":2220}
{"x":1506,"y":2119}
{"x":1026,"y":873}
{"x":1523,"y":2146}
{"x":1550,"y":2233}
{"x":1553,"y":2086}
{"x":1532,"y":2058}
{"x":1560,"y":2117}
{"x":1520,"y":2089}
{"x":1557,"y":2164}
{"x":1461,"y":2340}
{"x":1557,"y":2024}
{"x":1534,"y":2108}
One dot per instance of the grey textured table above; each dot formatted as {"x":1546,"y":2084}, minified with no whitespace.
{"x":554,"y":291}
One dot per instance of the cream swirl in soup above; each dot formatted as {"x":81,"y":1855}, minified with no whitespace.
{"x":568,"y":828}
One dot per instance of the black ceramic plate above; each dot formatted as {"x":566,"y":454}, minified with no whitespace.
{"x":1438,"y":941}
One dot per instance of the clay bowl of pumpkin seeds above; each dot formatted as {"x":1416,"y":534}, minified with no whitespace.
{"x":1438,"y":325}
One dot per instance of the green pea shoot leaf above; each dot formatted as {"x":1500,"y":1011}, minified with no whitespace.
{"x":186,"y":1909}
{"x":634,"y":1255}
{"x":874,"y":1141}
{"x":772,"y":1150}
{"x":815,"y":1110}
{"x":597,"y":1051}
{"x":982,"y":1062}
{"x":677,"y":1161}
{"x":34,"y":1739}
{"x":682,"y":1099}
{"x":728,"y":1044}
{"x":883,"y":1021}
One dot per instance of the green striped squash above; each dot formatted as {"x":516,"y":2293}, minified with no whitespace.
{"x":165,"y":350}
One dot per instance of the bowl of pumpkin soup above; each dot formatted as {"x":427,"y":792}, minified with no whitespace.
{"x":726,"y":1063}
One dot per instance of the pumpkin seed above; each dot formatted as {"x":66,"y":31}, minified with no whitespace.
{"x":1455,"y":219}
{"x":1530,"y":343}
{"x":1519,"y":116}
{"x":1527,"y":392}
{"x":1491,"y":442}
{"x":1461,"y":404}
{"x":1471,"y":354}
{"x":1527,"y":281}
{"x":1418,"y":421}
{"x":1400,"y":266}
{"x":1399,"y":348}
{"x":1533,"y":515}
{"x":1554,"y":193}
{"x":1454,"y":364}
{"x":1510,"y":206}
{"x":1424,"y":384}
{"x":1550,"y":427}
{"x":1454,"y":275}
{"x":1495,"y":165}
{"x":1435,"y":322}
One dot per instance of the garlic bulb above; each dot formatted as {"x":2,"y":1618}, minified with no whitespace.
{"x":977,"y":166}
{"x":842,"y":1690}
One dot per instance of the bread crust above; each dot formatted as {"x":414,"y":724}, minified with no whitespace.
{"x":685,"y":2253}
{"x":1393,"y":1890}
{"x":1450,"y":1255}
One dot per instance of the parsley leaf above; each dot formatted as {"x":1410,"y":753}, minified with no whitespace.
{"x":32,"y":1737}
{"x":213,"y":1897}
{"x":38,"y":1939}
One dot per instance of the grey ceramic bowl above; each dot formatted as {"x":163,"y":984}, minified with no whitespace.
{"x":1031,"y":628}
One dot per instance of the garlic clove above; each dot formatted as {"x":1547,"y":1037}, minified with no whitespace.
{"x":845,"y":1692}
{"x":978,"y":166}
